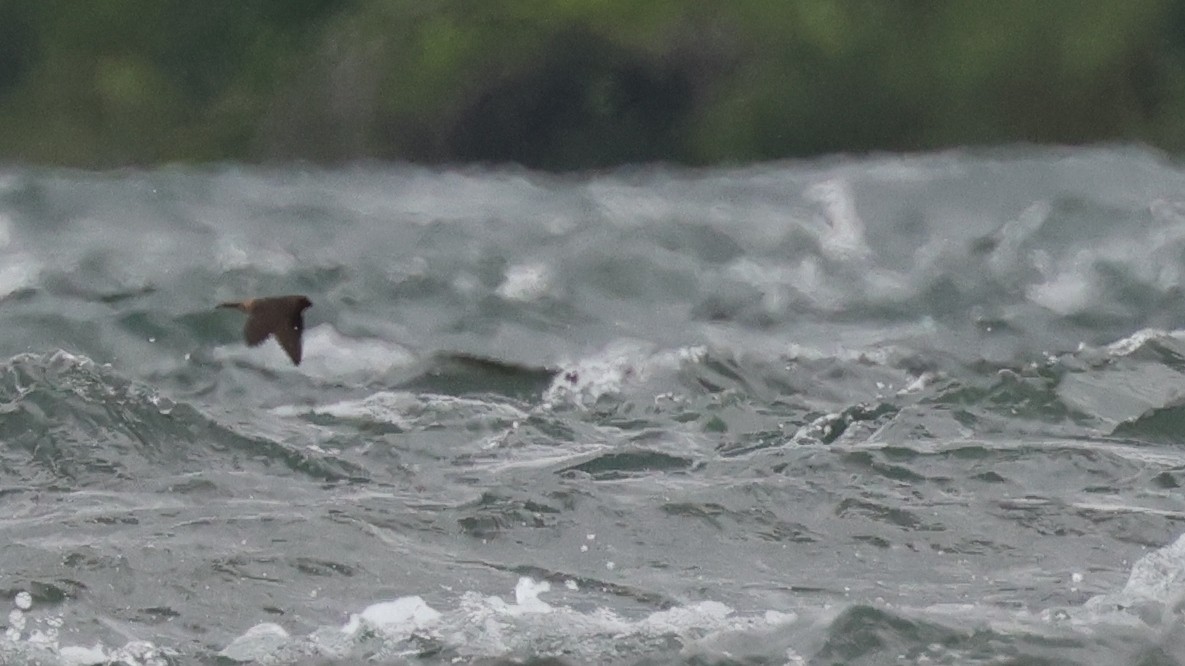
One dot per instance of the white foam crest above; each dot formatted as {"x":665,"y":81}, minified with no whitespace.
{"x":907,"y":169}
{"x":1155,"y":589}
{"x":396,"y":620}
{"x":843,"y":238}
{"x":330,"y":355}
{"x":35,"y":638}
{"x":1006,"y":259}
{"x":19,"y":272}
{"x":1151,"y":603}
{"x":1167,"y":210}
{"x":57,"y":361}
{"x":776,"y":282}
{"x":1153,"y":257}
{"x":1071,"y":281}
{"x":1070,"y":289}
{"x":240,"y":254}
{"x":404,"y":409}
{"x":525,"y":282}
{"x":460,"y":195}
{"x":758,"y":225}
{"x":820,"y":429}
{"x":257,"y":644}
{"x":381,"y":407}
{"x":626,"y":206}
{"x":1128,"y":345}
{"x":490,"y":627}
{"x":478,"y":627}
{"x":83,"y":656}
{"x":623,"y":363}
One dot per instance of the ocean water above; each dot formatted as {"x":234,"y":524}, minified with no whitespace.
{"x":881,"y":410}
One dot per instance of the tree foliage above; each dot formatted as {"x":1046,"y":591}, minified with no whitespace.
{"x":578,"y":83}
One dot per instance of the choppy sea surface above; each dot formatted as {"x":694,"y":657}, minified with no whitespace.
{"x":884,"y":410}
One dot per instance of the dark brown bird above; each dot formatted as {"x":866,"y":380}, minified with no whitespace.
{"x":281,"y":316}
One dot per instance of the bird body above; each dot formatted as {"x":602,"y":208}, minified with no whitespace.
{"x":279,"y":316}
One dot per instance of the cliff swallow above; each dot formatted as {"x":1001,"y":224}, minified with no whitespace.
{"x":281,"y":316}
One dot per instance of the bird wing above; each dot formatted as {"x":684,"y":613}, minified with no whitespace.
{"x":288,"y":335}
{"x":260,"y":324}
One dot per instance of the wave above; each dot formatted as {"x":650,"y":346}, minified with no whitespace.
{"x":71,"y":423}
{"x":1140,"y":622}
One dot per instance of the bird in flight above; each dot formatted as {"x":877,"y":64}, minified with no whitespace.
{"x":281,"y":316}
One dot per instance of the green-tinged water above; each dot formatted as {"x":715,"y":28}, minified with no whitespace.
{"x":914,"y":410}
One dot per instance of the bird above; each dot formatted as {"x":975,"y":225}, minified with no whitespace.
{"x":281,"y":316}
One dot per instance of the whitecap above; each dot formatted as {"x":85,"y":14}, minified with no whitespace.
{"x":238,"y":254}
{"x":395,"y":620}
{"x":609,"y":371}
{"x":843,"y":236}
{"x":19,"y":272}
{"x":257,"y":643}
{"x":488,"y":626}
{"x":525,"y":282}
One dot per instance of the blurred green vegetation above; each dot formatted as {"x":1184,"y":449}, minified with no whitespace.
{"x":578,"y":83}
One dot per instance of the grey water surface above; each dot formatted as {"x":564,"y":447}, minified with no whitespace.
{"x":907,"y":410}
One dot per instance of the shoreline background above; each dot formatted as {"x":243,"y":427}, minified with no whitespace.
{"x":566,"y":86}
